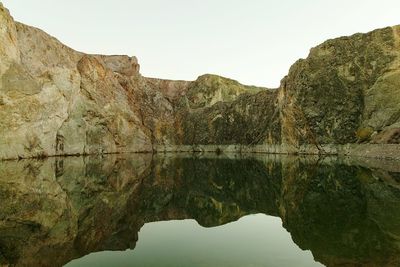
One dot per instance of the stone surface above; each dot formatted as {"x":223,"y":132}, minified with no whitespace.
{"x":345,"y":85}
{"x":57,"y":101}
{"x":250,"y":119}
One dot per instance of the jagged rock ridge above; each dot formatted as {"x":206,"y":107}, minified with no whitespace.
{"x":57,"y":101}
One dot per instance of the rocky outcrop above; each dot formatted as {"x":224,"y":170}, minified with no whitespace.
{"x":251,"y":119}
{"x":346,"y":91}
{"x":57,"y":101}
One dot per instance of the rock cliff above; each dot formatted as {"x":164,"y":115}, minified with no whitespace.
{"x":57,"y":101}
{"x":346,"y":91}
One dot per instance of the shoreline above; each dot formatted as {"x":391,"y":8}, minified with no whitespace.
{"x":368,"y":151}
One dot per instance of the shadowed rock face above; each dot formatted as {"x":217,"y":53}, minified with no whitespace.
{"x":59,"y":209}
{"x":251,"y":119}
{"x":345,"y":90}
{"x":57,"y":101}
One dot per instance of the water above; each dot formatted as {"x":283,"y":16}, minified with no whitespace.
{"x":254,"y":240}
{"x":202,"y":210}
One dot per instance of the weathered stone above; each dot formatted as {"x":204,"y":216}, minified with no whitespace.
{"x":328,"y":96}
{"x":388,"y":136}
{"x":124,"y":65}
{"x":249,"y":120}
{"x":209,"y":89}
{"x":8,"y":40}
{"x":57,"y":101}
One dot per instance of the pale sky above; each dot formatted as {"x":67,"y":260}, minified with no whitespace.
{"x":253,"y":41}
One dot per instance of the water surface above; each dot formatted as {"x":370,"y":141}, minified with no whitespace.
{"x":254,"y":240}
{"x":199,"y":210}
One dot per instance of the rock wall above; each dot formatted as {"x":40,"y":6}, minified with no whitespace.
{"x":57,"y":101}
{"x":346,"y":91}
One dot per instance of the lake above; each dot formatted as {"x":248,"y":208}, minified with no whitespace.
{"x":199,"y":210}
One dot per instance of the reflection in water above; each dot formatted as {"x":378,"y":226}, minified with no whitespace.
{"x":56,"y":210}
{"x":253,"y":240}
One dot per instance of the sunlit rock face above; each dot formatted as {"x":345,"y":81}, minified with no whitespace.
{"x":59,"y":209}
{"x":57,"y":101}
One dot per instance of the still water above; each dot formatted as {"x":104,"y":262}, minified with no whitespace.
{"x":254,"y":240}
{"x":199,"y":210}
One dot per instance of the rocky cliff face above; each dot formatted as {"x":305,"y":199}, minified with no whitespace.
{"x":221,"y":111}
{"x":57,"y":101}
{"x":346,"y":91}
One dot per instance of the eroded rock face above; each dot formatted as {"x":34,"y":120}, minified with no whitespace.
{"x":57,"y":101}
{"x":345,"y":91}
{"x":250,"y":119}
{"x":8,"y":40}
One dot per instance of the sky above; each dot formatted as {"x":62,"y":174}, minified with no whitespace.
{"x":253,"y":41}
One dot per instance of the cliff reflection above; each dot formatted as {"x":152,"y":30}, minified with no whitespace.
{"x":59,"y":209}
